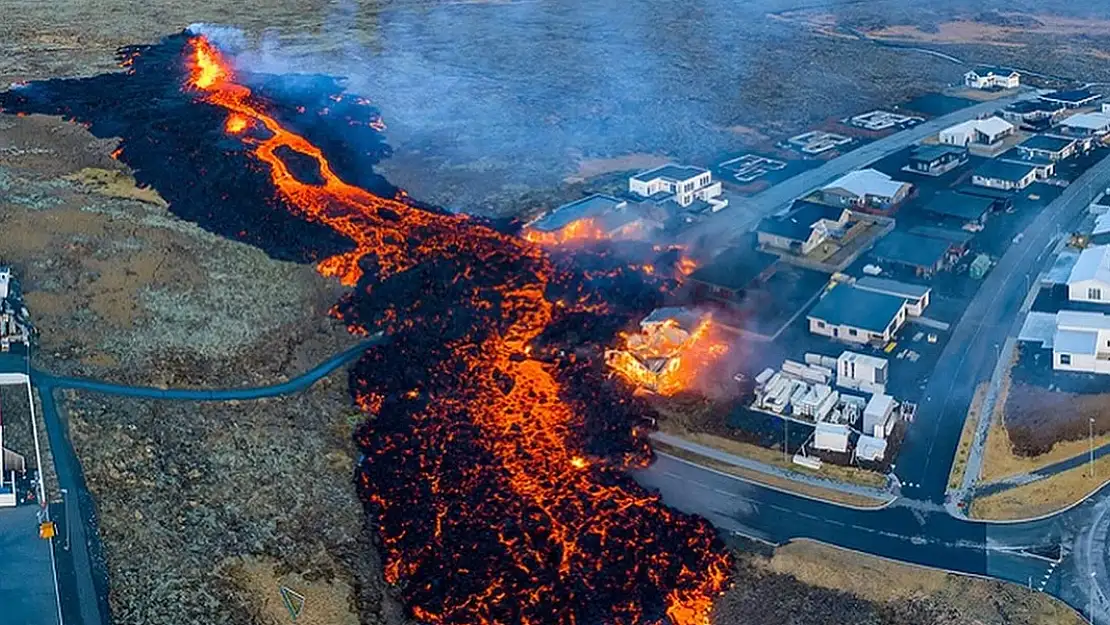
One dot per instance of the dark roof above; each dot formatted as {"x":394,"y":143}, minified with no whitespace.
{"x":892,"y":287}
{"x":590,"y":206}
{"x":734,"y":268}
{"x":1003,"y":170}
{"x":1045,"y":142}
{"x":796,"y":224}
{"x":952,"y":204}
{"x":849,"y":306}
{"x":944,"y":234}
{"x":911,"y":249}
{"x":670,"y":172}
{"x":1014,"y":156}
{"x":994,"y":194}
{"x":930,"y":153}
{"x":1073,"y":96}
{"x":1031,"y":106}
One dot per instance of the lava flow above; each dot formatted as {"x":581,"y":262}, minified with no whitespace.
{"x":492,"y":502}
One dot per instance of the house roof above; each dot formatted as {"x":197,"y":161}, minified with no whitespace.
{"x":1004,"y":170}
{"x":1093,"y":264}
{"x":684,"y":317}
{"x":911,"y":249}
{"x":993,"y":125}
{"x":930,"y":153}
{"x":1080,"y":320}
{"x":866,"y":182}
{"x":590,"y":206}
{"x":849,"y":306}
{"x":977,"y":191}
{"x":1073,"y":96}
{"x":952,"y":204}
{"x":671,"y":173}
{"x":796,"y":224}
{"x":1031,"y":106}
{"x":1047,"y":143}
{"x":993,"y":71}
{"x":1102,"y":224}
{"x":1087,"y":121}
{"x":960,"y":237}
{"x":735,"y":268}
{"x":892,"y":287}
{"x":1075,"y":341}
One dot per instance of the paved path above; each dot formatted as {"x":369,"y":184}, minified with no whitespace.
{"x":26,"y":574}
{"x":882,"y":495}
{"x":721,"y":227}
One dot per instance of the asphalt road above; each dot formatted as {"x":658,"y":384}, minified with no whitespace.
{"x":975,"y":343}
{"x":26,"y":578}
{"x":720,"y":228}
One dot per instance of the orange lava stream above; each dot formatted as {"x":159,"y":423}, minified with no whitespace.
{"x":585,"y":229}
{"x":526,"y":428}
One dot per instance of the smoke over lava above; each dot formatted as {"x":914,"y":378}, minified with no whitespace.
{"x":494,"y":473}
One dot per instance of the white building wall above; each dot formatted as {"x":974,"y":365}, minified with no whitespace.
{"x":846,"y":333}
{"x":1080,"y":362}
{"x":1089,"y":291}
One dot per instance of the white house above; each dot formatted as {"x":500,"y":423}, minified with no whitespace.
{"x":1089,"y":280}
{"x":878,"y":416}
{"x":857,"y":316}
{"x":980,"y":132}
{"x":1005,"y":175}
{"x":1086,"y":124}
{"x":861,"y":372}
{"x":1081,"y":342}
{"x":681,"y":183}
{"x":866,"y":188}
{"x":992,"y":78}
{"x":806,"y":227}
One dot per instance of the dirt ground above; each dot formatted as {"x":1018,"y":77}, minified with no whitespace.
{"x":1043,"y":496}
{"x":223,"y":503}
{"x":121,"y":289}
{"x":903,"y":593}
{"x":967,"y":435}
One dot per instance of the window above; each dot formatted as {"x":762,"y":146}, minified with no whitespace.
{"x":820,"y":324}
{"x":1094,"y":293}
{"x":1065,"y":359}
{"x":852,"y":331}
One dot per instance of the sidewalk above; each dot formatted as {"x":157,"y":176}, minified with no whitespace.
{"x":880,"y":494}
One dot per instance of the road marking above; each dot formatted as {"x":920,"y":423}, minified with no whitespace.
{"x":723,"y":492}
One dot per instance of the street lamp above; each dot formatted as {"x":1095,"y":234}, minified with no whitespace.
{"x":1091,"y":445}
{"x":1091,"y":600}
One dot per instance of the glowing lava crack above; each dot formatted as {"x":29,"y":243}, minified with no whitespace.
{"x":489,"y":508}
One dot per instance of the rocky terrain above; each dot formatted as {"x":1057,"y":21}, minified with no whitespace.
{"x":120,"y":289}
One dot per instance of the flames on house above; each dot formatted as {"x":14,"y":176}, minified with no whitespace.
{"x":491,"y":504}
{"x":673,"y":349}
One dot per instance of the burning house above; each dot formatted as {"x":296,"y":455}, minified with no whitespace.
{"x":592,"y":218}
{"x":673,"y":347}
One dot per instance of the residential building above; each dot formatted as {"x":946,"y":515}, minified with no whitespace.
{"x":682,"y":184}
{"x":1033,"y":114}
{"x":878,"y":416}
{"x":959,"y":241}
{"x":1043,"y":168}
{"x":857,"y":316}
{"x":992,"y":78}
{"x":960,"y":207}
{"x":1100,"y":234}
{"x":934,"y":160}
{"x":916,"y":295}
{"x":1081,"y":342}
{"x":594,"y":216}
{"x":1072,"y":99}
{"x":977,"y":132}
{"x":805,"y":228}
{"x":1005,"y":175}
{"x":866,"y":189}
{"x":922,"y":255}
{"x":861,"y":372}
{"x":1089,"y":280}
{"x":1086,"y":125}
{"x":726,"y":279}
{"x":1048,"y":147}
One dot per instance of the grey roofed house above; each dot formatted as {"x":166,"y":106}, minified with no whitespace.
{"x":1075,"y":342}
{"x":991,"y":70}
{"x":930,"y":153}
{"x":911,"y":249}
{"x":954,"y":237}
{"x":1046,"y":143}
{"x":958,"y":205}
{"x":892,"y":287}
{"x":1093,"y":264}
{"x":1004,"y":170}
{"x":672,"y":173}
{"x":590,"y":206}
{"x":845,"y":305}
{"x":735,"y":268}
{"x":796,"y":224}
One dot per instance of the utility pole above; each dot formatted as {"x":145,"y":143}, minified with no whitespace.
{"x":785,"y":436}
{"x":1091,"y":600}
{"x":65,"y":506}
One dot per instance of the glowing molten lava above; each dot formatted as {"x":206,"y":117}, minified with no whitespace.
{"x":235,"y":124}
{"x":489,"y":509}
{"x":667,"y":359}
{"x":585,"y":229}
